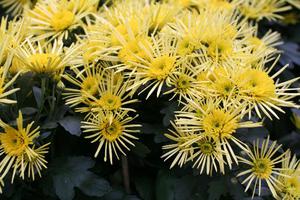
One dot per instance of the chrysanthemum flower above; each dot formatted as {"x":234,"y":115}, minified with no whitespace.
{"x":55,"y":19}
{"x":262,"y":167}
{"x":15,"y":146}
{"x":15,"y":7}
{"x":35,"y":164}
{"x":50,"y":59}
{"x":218,"y":122}
{"x":98,"y":89}
{"x":290,"y":188}
{"x":6,"y":81}
{"x":85,"y":83}
{"x":111,"y":131}
{"x":259,"y":9}
{"x":6,"y":86}
{"x":184,"y":83}
{"x":261,"y":48}
{"x":180,"y":153}
{"x":162,"y":61}
{"x":208,"y":156}
{"x":259,"y":89}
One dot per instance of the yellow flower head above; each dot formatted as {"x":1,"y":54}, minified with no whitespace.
{"x":48,"y":59}
{"x":112,"y":132}
{"x":261,"y":164}
{"x":15,"y":7}
{"x":181,"y":153}
{"x":54,"y":19}
{"x":259,"y":9}
{"x":16,"y":145}
{"x":290,"y":188}
{"x":216,"y":121}
{"x":208,"y":156}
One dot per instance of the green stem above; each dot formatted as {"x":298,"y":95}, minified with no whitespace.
{"x":126,"y":178}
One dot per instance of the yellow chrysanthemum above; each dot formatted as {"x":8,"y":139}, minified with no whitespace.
{"x":162,"y":62}
{"x":290,"y":188}
{"x":85,"y":84}
{"x":50,"y":59}
{"x":261,"y":164}
{"x":218,"y":122}
{"x":36,"y":163}
{"x":16,"y":146}
{"x":181,"y":153}
{"x":55,"y":19}
{"x":15,"y":7}
{"x":260,"y":91}
{"x":259,"y":9}
{"x":112,"y":132}
{"x":208,"y":156}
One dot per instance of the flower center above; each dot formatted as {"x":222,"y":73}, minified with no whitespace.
{"x":206,"y":147}
{"x":110,"y":102}
{"x":183,"y":82}
{"x":219,"y":124}
{"x":161,"y":67}
{"x":262,"y":168}
{"x":62,"y":19}
{"x":112,"y":131}
{"x":12,"y":142}
{"x":90,"y":85}
{"x":43,"y":62}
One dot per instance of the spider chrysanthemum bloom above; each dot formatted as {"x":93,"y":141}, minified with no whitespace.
{"x":112,"y":131}
{"x":99,"y":90}
{"x":290,"y":188}
{"x":184,"y":83}
{"x":208,"y":156}
{"x":50,"y":59}
{"x":162,"y":61}
{"x":36,"y":163}
{"x":15,"y":146}
{"x":260,"y":91}
{"x":259,"y":9}
{"x":261,"y":162}
{"x":181,"y":154}
{"x":218,"y":122}
{"x":85,"y":83}
{"x":261,"y":48}
{"x":15,"y":7}
{"x":55,"y":19}
{"x":6,"y":88}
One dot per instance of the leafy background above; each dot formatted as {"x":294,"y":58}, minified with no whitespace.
{"x":73,"y":173}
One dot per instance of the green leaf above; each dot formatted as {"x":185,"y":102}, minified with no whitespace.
{"x":216,"y":189}
{"x":73,"y":172}
{"x":94,"y":186}
{"x":141,"y":150}
{"x":165,"y":185}
{"x":71,"y":124}
{"x":144,"y":186}
{"x":168,"y":111}
{"x":37,"y":92}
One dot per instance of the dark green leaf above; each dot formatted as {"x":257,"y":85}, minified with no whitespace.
{"x":71,"y":124}
{"x":94,"y":186}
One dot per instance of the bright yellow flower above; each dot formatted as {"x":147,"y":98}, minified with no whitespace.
{"x":112,"y":132}
{"x":259,"y":9}
{"x":290,"y":188}
{"x":218,"y":122}
{"x":48,"y":59}
{"x":15,"y":7}
{"x":54,"y":19}
{"x":261,"y":164}
{"x":16,"y":146}
{"x":181,"y":153}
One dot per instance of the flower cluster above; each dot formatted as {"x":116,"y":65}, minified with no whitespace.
{"x":205,"y":54}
